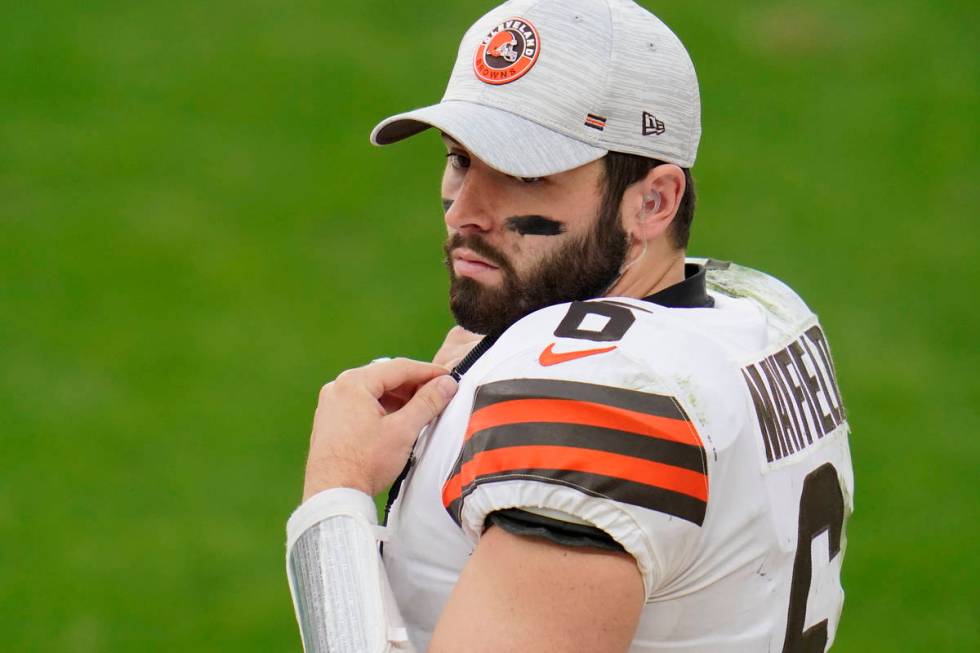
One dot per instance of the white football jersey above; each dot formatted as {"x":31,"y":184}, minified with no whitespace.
{"x":710,"y":443}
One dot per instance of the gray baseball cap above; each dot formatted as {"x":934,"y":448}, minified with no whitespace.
{"x":544,"y":86}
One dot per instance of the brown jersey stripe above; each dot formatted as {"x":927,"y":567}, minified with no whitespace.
{"x":641,"y":402}
{"x":637,"y":494}
{"x":603,"y":463}
{"x":582,"y":436}
{"x":565,"y":411}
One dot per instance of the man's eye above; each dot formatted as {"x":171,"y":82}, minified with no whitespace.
{"x":530,"y":180}
{"x":458,"y":161}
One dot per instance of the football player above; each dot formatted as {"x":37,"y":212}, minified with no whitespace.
{"x":635,"y":450}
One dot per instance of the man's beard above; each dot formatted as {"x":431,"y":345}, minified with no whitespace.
{"x":583,"y":268}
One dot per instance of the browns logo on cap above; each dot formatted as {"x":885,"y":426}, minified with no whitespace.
{"x":605,"y":63}
{"x":507,"y":52}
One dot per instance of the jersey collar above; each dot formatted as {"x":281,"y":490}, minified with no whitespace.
{"x":692,"y":292}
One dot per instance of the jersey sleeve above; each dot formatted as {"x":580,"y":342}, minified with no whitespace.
{"x":597,"y":443}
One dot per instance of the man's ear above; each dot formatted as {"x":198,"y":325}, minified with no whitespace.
{"x":649,"y":205}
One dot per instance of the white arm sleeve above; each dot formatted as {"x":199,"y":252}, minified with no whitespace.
{"x":338,"y":583}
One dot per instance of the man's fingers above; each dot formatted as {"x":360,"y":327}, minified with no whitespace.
{"x":380,"y":378}
{"x":425,"y":406}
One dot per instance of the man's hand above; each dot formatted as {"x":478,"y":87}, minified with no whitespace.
{"x":367,"y":420}
{"x":454,"y":348}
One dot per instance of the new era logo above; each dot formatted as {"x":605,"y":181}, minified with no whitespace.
{"x":652,"y":126}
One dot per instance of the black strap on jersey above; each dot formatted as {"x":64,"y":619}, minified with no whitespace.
{"x":474,"y":355}
{"x":457,"y":373}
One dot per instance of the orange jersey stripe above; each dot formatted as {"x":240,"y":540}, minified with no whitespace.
{"x":501,"y":461}
{"x":567,"y":411}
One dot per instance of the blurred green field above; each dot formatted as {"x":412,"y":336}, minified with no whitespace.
{"x":195,"y":234}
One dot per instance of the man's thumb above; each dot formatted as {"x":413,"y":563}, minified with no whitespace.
{"x":425,"y":405}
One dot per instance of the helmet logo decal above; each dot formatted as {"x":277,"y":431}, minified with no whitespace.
{"x":507,"y":52}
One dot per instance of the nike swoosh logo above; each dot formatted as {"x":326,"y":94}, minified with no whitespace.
{"x":550,"y":357}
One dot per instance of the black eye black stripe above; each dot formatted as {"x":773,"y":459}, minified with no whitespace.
{"x":535,"y":225}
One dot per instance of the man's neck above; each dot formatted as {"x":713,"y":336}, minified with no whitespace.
{"x":649,"y":273}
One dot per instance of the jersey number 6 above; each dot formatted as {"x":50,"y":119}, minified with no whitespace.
{"x":821,"y":509}
{"x":615,"y":319}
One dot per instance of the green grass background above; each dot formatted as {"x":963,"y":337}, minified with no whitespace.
{"x":195,"y":234}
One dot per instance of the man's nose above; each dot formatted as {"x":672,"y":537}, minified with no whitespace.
{"x":474,"y":208}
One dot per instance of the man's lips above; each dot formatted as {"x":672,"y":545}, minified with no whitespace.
{"x":467,"y":263}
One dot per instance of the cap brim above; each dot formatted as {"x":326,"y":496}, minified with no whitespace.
{"x":504,"y":141}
